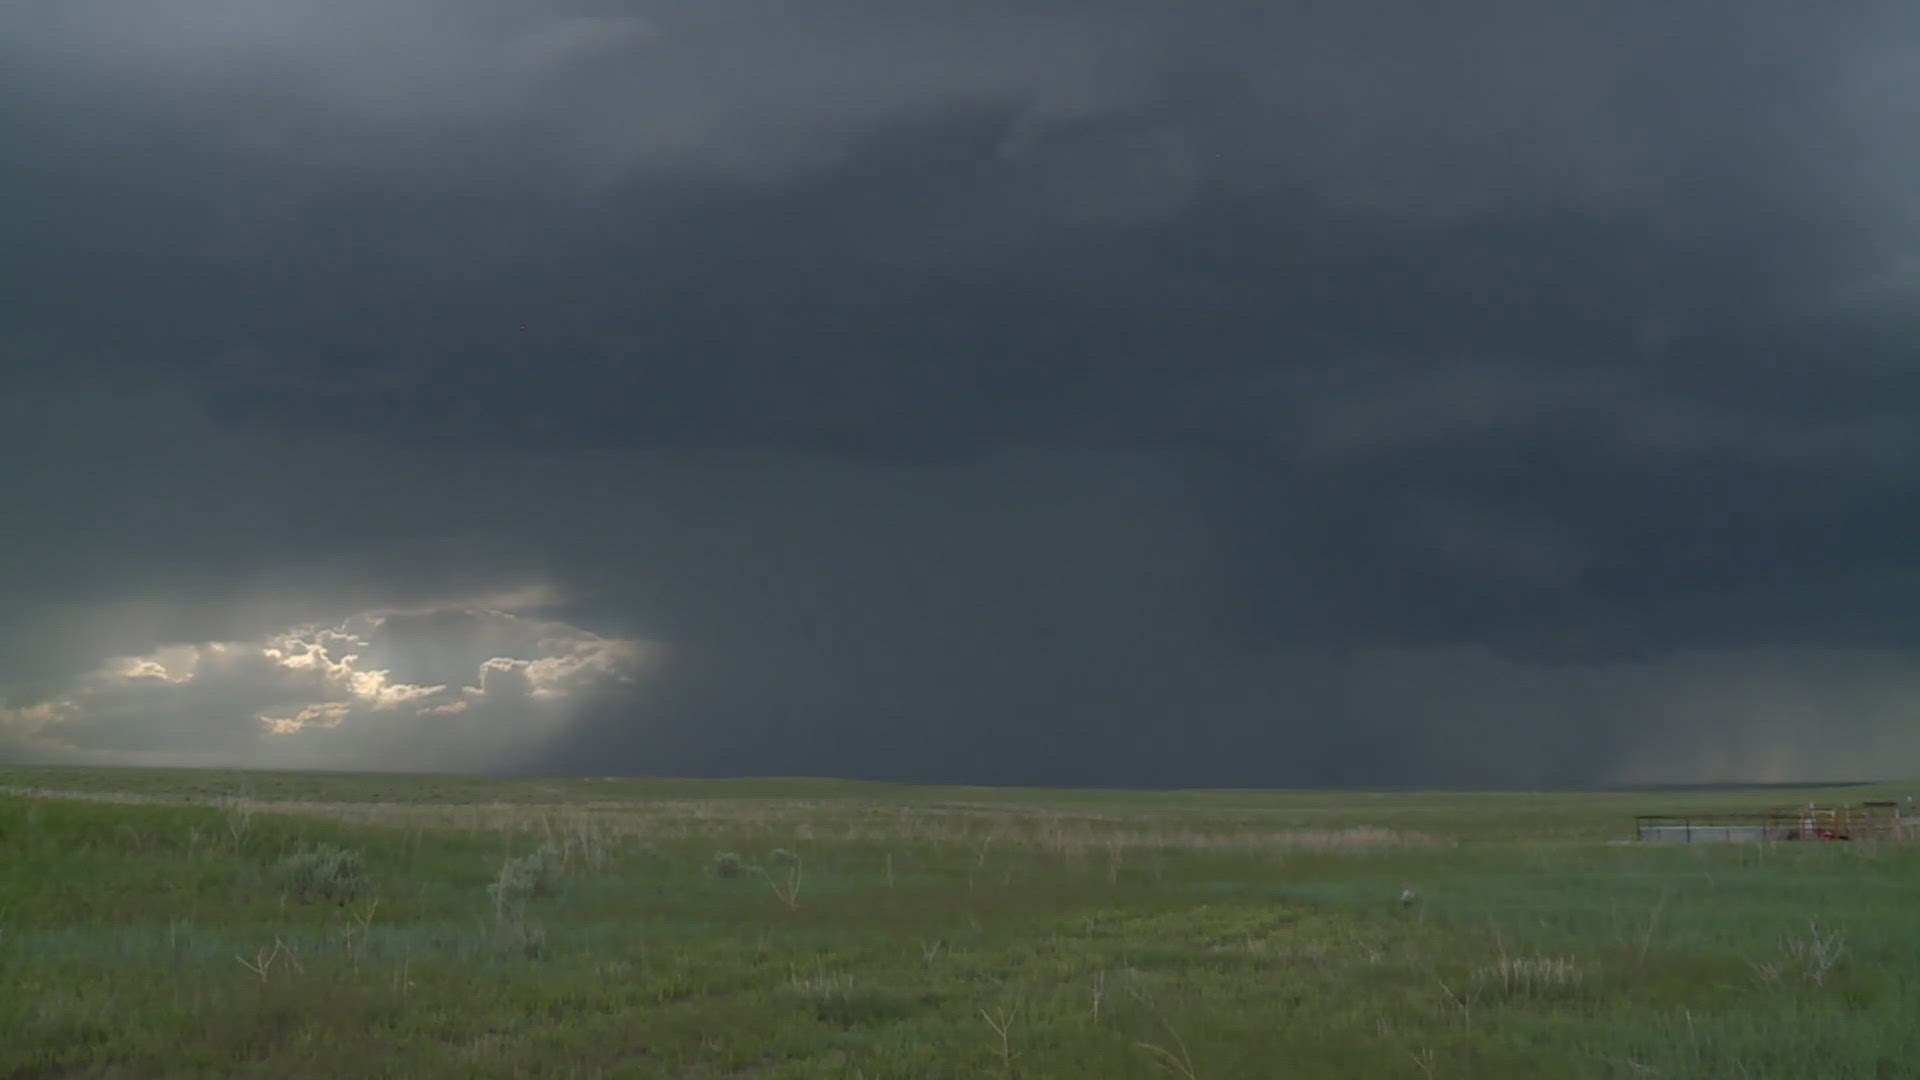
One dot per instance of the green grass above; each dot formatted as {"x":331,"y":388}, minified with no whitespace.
{"x":893,"y":931}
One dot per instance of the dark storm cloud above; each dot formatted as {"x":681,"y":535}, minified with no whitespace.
{"x":1087,"y":391}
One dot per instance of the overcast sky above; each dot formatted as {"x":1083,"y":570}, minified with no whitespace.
{"x":1076,"y":393}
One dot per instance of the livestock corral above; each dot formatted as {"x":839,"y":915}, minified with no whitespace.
{"x":1876,"y":819}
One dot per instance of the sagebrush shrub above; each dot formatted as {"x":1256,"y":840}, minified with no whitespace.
{"x":536,"y":873}
{"x":323,"y":873}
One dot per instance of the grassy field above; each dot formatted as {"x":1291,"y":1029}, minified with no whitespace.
{"x":165,"y":923}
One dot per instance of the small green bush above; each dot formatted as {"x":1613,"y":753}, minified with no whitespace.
{"x":323,"y":873}
{"x":727,"y":864}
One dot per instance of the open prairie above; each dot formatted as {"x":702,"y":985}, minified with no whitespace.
{"x":170,"y":923}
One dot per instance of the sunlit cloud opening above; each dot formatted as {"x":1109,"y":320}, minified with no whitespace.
{"x":464,"y":685}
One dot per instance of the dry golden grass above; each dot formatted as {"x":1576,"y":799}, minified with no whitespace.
{"x":984,"y":828}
